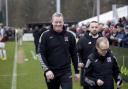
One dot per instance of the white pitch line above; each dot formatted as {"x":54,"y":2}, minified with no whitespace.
{"x":14,"y":74}
{"x":34,"y":56}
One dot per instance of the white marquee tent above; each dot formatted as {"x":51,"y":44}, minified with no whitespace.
{"x":122,"y":11}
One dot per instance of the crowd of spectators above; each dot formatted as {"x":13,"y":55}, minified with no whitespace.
{"x":116,"y":32}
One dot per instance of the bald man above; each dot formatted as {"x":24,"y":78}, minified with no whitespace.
{"x":102,"y":67}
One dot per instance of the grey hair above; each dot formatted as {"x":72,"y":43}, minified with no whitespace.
{"x":57,"y":14}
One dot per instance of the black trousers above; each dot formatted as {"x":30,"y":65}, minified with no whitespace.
{"x":63,"y":80}
{"x":86,"y":87}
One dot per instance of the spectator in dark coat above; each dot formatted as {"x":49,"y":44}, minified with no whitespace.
{"x":36,"y":34}
{"x":124,"y":40}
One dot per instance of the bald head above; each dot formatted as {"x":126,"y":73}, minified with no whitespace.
{"x":102,"y":42}
{"x":102,"y":45}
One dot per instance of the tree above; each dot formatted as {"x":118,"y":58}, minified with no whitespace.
{"x":22,"y":12}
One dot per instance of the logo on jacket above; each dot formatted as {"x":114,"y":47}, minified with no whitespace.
{"x":51,"y":37}
{"x":96,"y":60}
{"x":66,"y":38}
{"x":90,"y":42}
{"x":109,"y":59}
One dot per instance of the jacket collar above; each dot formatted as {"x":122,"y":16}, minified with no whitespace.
{"x":94,"y":36}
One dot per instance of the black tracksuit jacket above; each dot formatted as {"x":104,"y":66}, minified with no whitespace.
{"x":57,"y":50}
{"x":85,"y":46}
{"x":101,"y":67}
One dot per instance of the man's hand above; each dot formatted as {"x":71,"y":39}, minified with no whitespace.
{"x":80,"y":65}
{"x":100,"y":82}
{"x":77,"y":76}
{"x":49,"y":75}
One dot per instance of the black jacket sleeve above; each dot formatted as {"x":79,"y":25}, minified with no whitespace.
{"x":89,"y":80}
{"x":116,"y":71}
{"x":42,"y":52}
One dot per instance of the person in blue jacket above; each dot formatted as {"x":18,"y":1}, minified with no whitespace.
{"x":124,"y":40}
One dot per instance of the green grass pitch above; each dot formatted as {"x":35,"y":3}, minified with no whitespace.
{"x":29,"y":72}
